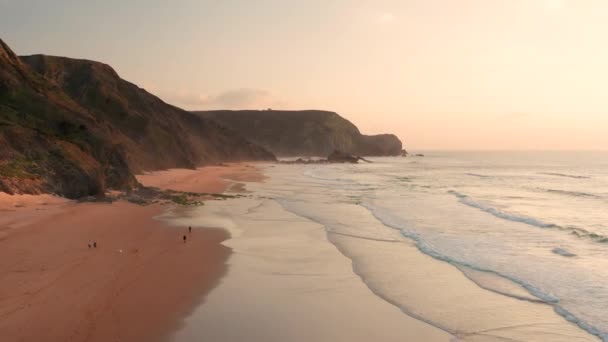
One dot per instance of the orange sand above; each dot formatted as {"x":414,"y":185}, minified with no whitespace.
{"x":211,"y":179}
{"x":136,"y":286}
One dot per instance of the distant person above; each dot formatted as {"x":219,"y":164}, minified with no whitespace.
{"x":90,"y":243}
{"x":94,"y":244}
{"x":185,"y":238}
{"x":189,"y":229}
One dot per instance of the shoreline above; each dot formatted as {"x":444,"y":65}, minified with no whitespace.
{"x":287,"y":282}
{"x":274,"y":268}
{"x":302,"y":259}
{"x":138,"y":284}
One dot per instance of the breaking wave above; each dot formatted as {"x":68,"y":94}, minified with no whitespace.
{"x":477,"y":175}
{"x":464,"y":199}
{"x":571,"y":193}
{"x":533,"y":290}
{"x":564,"y":175}
{"x":579,"y":232}
{"x":563,"y":252}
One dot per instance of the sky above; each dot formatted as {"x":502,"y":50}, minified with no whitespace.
{"x":441,"y":74}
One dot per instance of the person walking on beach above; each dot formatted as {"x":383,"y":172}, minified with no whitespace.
{"x":94,"y":244}
{"x":185,"y":238}
{"x":90,"y":243}
{"x":190,"y":229}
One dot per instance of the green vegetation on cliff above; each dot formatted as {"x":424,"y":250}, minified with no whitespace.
{"x":75,"y":128}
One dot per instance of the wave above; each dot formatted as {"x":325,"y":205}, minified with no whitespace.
{"x":423,"y":247}
{"x":288,"y":206}
{"x":314,"y":174}
{"x":577,"y":231}
{"x":403,"y":179}
{"x":582,"y":233}
{"x":563,"y":175}
{"x":563,"y":252}
{"x":464,"y":199}
{"x":582,"y":324}
{"x":477,"y":175}
{"x":571,"y":193}
{"x":533,"y":290}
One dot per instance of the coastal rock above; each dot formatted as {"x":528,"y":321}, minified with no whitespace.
{"x":154,"y":134}
{"x":336,"y":157}
{"x":75,"y":128}
{"x":310,"y":133}
{"x":341,"y":157}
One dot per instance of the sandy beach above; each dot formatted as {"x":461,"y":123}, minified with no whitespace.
{"x":286,"y":282}
{"x":282,"y":263}
{"x":301,"y":171}
{"x":135,"y":286}
{"x":211,"y":179}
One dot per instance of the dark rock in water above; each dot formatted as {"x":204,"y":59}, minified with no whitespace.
{"x":336,"y":157}
{"x":404,"y":153}
{"x":419,"y":155}
{"x":341,"y":157}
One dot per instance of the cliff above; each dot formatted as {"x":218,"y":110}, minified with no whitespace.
{"x":157,"y":135}
{"x":75,"y":128}
{"x":305,"y":133}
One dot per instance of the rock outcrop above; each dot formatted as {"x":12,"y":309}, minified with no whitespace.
{"x":305,"y":133}
{"x":75,"y":128}
{"x":336,"y":157}
{"x":156,"y":135}
{"x":341,"y":157}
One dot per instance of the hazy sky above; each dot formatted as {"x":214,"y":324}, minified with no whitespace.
{"x":473,"y":74}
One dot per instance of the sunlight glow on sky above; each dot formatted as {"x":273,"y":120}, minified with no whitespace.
{"x":441,"y":74}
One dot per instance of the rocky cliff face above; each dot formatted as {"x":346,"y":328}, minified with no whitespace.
{"x":156,"y":135}
{"x":48,"y":142}
{"x":305,"y":133}
{"x":75,"y":128}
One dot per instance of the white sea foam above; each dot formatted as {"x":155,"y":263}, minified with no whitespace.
{"x":387,"y":220}
{"x":465,"y":199}
{"x":390,"y":221}
{"x":556,"y":174}
{"x":571,"y":193}
{"x":577,"y":231}
{"x":489,"y":227}
{"x":350,"y":229}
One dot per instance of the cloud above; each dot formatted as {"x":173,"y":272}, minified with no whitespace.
{"x":243,"y":98}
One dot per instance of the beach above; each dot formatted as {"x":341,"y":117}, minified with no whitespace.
{"x":286,"y":282}
{"x":297,"y":256}
{"x":301,"y":171}
{"x":135,"y":286}
{"x":311,"y":262}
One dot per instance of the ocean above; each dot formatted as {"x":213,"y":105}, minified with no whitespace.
{"x":527,"y":225}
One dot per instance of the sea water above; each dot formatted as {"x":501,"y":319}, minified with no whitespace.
{"x":535,"y":220}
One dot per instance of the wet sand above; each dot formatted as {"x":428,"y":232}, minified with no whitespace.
{"x":286,"y":282}
{"x":314,"y":269}
{"x":137,"y":285}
